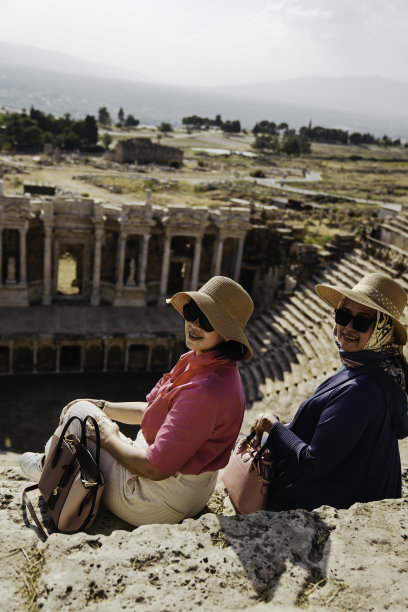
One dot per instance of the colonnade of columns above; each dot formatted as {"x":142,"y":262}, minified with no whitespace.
{"x":84,"y":345}
{"x":142,"y":257}
{"x":216,"y":262}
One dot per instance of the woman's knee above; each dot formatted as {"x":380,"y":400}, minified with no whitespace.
{"x":81,"y":409}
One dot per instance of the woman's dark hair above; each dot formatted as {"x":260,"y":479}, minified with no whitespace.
{"x":231,"y":350}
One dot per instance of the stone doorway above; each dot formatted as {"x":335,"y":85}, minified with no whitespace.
{"x":69,"y":273}
{"x":179,"y":275}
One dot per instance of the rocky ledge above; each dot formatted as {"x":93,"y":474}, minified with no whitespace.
{"x":328,"y":559}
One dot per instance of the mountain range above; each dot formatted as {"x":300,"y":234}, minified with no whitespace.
{"x":58,"y":83}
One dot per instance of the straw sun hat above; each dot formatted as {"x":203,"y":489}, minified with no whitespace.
{"x":375,"y":290}
{"x":225,"y":304}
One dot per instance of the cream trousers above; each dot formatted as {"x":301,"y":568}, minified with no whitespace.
{"x":139,"y":500}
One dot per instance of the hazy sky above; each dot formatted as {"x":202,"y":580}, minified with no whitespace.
{"x":212,"y":42}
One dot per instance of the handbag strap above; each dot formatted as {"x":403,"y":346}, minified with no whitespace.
{"x":97,"y":435}
{"x":258,"y":452}
{"x":61,"y":438}
{"x":264,"y":464}
{"x":83,"y":439}
{"x":27,"y":503}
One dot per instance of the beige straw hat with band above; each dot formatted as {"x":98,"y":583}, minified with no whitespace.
{"x":226,"y":305}
{"x":376,"y":290}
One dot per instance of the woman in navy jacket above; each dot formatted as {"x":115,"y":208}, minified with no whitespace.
{"x":342,"y":445}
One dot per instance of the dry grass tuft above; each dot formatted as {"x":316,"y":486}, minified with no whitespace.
{"x":31,"y":574}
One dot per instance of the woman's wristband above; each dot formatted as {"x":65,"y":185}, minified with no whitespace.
{"x":102,"y":404}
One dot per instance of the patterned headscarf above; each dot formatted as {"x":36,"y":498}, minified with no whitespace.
{"x":382,"y":340}
{"x":382,"y":334}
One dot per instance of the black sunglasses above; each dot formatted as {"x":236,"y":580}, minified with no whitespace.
{"x":191,"y":312}
{"x":360,"y":322}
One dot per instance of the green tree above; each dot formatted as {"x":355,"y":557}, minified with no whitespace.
{"x":265,"y":142}
{"x":32,"y":138}
{"x":293,"y":144}
{"x":194,"y":121}
{"x":131,"y":121}
{"x":90,"y":132}
{"x":165,"y":127}
{"x":232,"y":127}
{"x":104,"y":117}
{"x":121,"y":117}
{"x":70,"y":140}
{"x":106,"y":140}
{"x":265,"y":127}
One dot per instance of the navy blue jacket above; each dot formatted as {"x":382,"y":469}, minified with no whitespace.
{"x":342,"y":445}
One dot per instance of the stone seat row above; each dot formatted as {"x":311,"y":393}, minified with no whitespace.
{"x":399,"y":221}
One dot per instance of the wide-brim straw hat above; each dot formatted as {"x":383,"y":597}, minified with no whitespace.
{"x":226,"y":305}
{"x":376,"y":290}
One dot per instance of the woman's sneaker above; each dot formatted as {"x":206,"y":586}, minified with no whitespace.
{"x":32,"y":465}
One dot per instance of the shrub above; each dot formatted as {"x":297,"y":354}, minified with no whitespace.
{"x":174,"y":163}
{"x":258,"y":174}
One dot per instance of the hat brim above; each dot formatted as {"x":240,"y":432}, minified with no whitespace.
{"x":221,"y":321}
{"x":334,"y":296}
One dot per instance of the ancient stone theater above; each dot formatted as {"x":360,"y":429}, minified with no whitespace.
{"x":82,"y":280}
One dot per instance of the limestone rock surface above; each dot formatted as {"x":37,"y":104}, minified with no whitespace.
{"x":329,"y":559}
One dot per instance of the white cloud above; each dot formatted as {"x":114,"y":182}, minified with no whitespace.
{"x":293,"y":9}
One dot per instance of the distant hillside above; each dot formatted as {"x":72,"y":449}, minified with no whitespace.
{"x":375,"y":95}
{"x":71,"y":85}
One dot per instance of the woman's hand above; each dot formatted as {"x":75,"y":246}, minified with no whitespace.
{"x":108,"y":430}
{"x":123,"y":451}
{"x":263,"y":423}
{"x":68,"y":406}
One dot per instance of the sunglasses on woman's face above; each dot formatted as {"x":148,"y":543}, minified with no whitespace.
{"x":360,"y":322}
{"x":191,"y":312}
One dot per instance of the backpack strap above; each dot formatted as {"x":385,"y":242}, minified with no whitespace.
{"x":27,"y":503}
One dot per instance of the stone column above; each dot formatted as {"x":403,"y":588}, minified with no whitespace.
{"x":218,"y":255}
{"x":35,"y":353}
{"x":47,"y":292}
{"x":23,"y":256}
{"x":141,"y":281}
{"x":81,"y":356}
{"x":11,"y":357}
{"x":238,"y":259}
{"x":169,"y":358}
{"x":58,"y":359}
{"x":165,"y":270}
{"x":105,"y":354}
{"x":1,"y":257}
{"x":48,"y":219}
{"x":149,"y":357}
{"x":96,"y":275}
{"x":126,"y":356}
{"x":196,"y":263}
{"x":120,"y":266}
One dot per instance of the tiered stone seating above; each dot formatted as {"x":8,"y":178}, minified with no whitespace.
{"x":293,"y":343}
{"x":398,"y":222}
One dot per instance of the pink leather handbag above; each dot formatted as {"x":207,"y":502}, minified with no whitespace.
{"x":247,"y":476}
{"x":71,"y":483}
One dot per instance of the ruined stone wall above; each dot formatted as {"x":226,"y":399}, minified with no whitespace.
{"x":144,"y":151}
